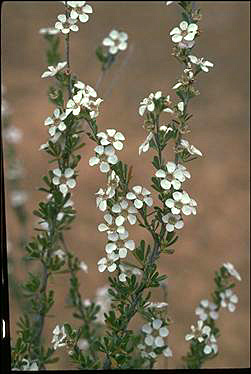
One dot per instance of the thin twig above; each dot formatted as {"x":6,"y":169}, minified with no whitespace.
{"x":107,"y":93}
{"x":100,"y":79}
{"x":67,"y":52}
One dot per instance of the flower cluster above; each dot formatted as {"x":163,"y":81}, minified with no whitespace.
{"x":118,"y":211}
{"x":203,"y":334}
{"x":155,"y":333}
{"x":27,"y":366}
{"x":84,"y":100}
{"x":172,"y":174}
{"x":118,"y":243}
{"x":148,"y":104}
{"x":59,"y":336}
{"x":103,"y":300}
{"x":116,"y":41}
{"x":77,"y":10}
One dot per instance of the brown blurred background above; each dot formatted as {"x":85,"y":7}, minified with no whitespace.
{"x":220,"y":129}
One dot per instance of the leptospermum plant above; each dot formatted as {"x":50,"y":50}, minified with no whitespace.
{"x":132,"y":266}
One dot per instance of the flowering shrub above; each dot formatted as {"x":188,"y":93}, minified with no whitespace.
{"x":104,"y":339}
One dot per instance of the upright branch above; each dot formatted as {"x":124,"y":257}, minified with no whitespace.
{"x":123,"y":206}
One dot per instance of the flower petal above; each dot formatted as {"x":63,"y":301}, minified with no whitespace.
{"x":93,"y":161}
{"x":110,"y":247}
{"x":176,"y":38}
{"x":137,"y":189}
{"x":104,"y":167}
{"x":138,"y":203}
{"x":130,"y":244}
{"x":119,"y":220}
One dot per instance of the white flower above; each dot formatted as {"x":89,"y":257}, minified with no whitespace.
{"x":122,"y":277}
{"x":189,"y":72}
{"x":113,"y":137}
{"x":74,"y":105}
{"x":113,"y":182}
{"x":125,"y":211}
{"x":199,"y":333}
{"x":60,"y":254}
{"x":181,"y":173}
{"x":56,"y":122}
{"x":156,"y":305}
{"x":85,"y":89}
{"x":105,"y":157}
{"x":146,"y":144}
{"x":119,"y":244}
{"x":54,"y":139}
{"x":232,"y":271}
{"x":80,"y":8}
{"x":5,"y":108}
{"x":12,"y":134}
{"x":83,"y":344}
{"x":48,"y":31}
{"x":140,"y":195}
{"x":173,"y":221}
{"x":127,"y":270}
{"x":59,"y":336}
{"x":101,"y":200}
{"x":174,"y":175}
{"x":167,"y":352}
{"x":180,"y":106}
{"x":211,"y":345}
{"x":86,"y":302}
{"x":169,"y":2}
{"x":53,"y":70}
{"x":180,"y":202}
{"x":116,"y":41}
{"x":18,"y":198}
{"x":184,"y":33}
{"x":108,"y":263}
{"x":167,"y":103}
{"x":27,"y":366}
{"x":43,"y":225}
{"x":165,"y":129}
{"x":15,"y":170}
{"x":148,"y":103}
{"x":229,"y":300}
{"x":199,"y":61}
{"x":177,"y":85}
{"x":64,"y":180}
{"x":155,"y":333}
{"x":65,"y":25}
{"x":145,"y":354}
{"x":111,"y":226}
{"x":83,"y":266}
{"x":92,"y":106}
{"x":207,"y":309}
{"x":103,"y":196}
{"x":60,"y":216}
{"x":103,"y":299}
{"x":190,"y":148}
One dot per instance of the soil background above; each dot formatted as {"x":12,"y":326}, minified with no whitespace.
{"x":220,"y":129}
